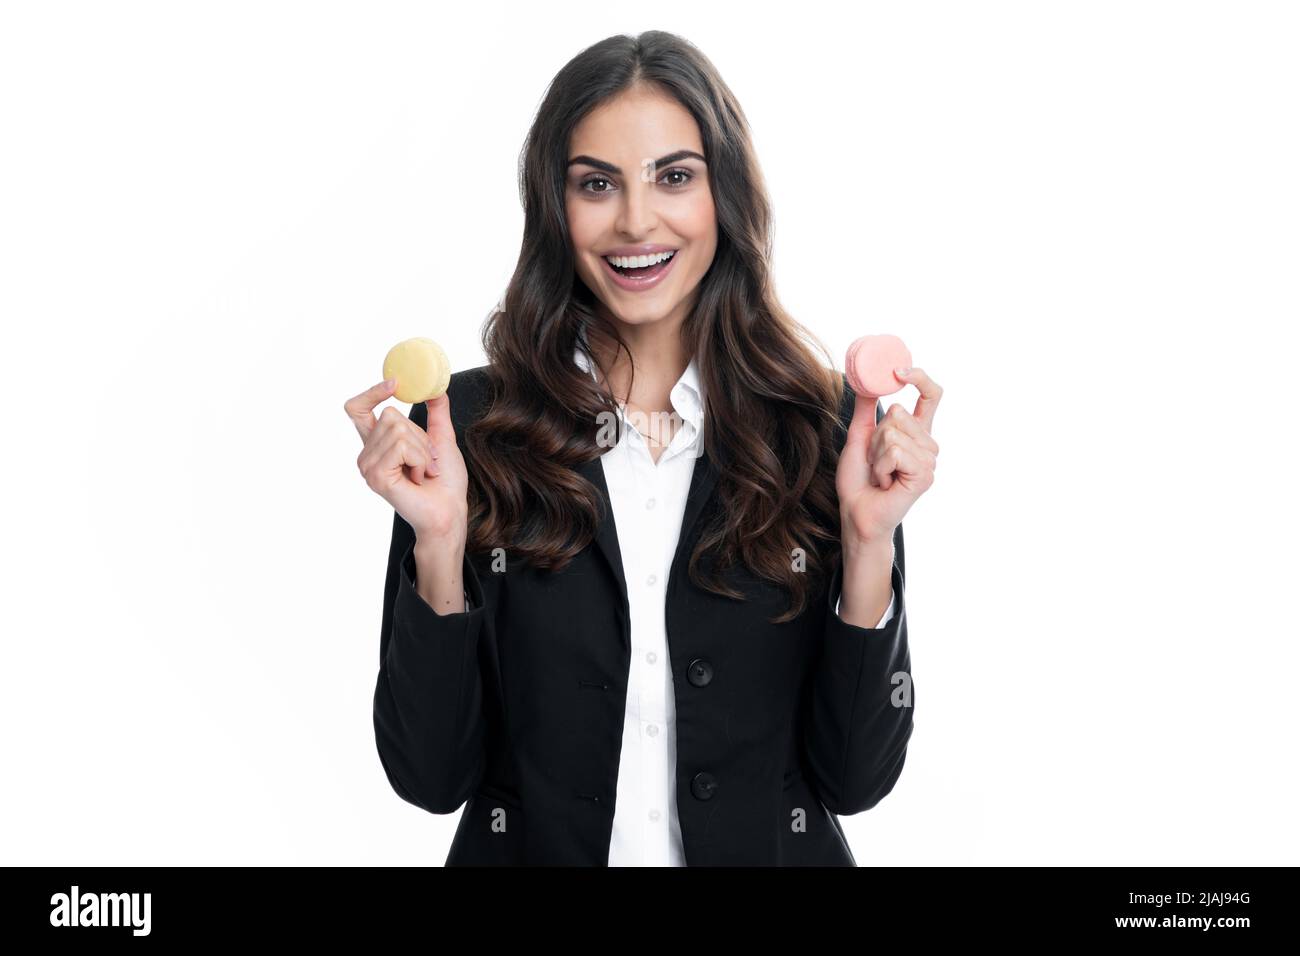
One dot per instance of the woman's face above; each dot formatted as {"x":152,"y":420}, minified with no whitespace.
{"x":637,"y":178}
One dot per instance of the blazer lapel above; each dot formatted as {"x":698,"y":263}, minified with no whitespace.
{"x":606,"y":534}
{"x":703,"y":480}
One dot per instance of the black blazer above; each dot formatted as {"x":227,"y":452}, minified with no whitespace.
{"x":516,"y":705}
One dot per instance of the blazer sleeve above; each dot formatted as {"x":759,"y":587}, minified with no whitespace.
{"x":860,"y":715}
{"x":428,"y":704}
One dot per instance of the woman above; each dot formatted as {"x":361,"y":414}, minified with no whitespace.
{"x":644,"y":602}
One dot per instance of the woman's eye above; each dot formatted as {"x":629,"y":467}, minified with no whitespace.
{"x":588,"y":185}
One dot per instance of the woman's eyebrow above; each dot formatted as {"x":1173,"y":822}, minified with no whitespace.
{"x":661,"y":161}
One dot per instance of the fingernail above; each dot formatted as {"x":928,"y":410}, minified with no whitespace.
{"x":902,"y":371}
{"x":389,"y":382}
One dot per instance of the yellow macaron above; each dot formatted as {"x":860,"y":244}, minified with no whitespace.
{"x":420,"y":367}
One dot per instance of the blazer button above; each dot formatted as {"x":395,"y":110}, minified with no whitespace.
{"x":699,"y":672}
{"x":703,"y":785}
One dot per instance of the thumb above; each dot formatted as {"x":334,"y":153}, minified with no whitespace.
{"x":863,"y":423}
{"x":853,"y":457}
{"x":438,"y":415}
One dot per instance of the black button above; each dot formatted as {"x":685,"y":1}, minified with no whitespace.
{"x":699,"y":672}
{"x":703,"y":785}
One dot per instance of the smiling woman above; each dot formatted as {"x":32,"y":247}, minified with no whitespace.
{"x":646,"y":663}
{"x":645,"y":247}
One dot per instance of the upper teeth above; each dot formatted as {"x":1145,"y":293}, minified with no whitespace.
{"x":639,"y":262}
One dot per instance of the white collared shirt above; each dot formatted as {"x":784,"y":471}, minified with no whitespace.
{"x":648,"y":500}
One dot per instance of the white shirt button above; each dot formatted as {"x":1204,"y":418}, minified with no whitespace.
{"x":650,"y":503}
{"x":654,"y":814}
{"x":651,"y":657}
{"x":651,"y":580}
{"x":653,"y":730}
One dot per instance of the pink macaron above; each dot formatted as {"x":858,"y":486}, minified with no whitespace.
{"x":870,"y":362}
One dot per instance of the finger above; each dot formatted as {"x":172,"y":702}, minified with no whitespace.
{"x":418,"y":434}
{"x":429,"y":472}
{"x":423,"y":440}
{"x":438,"y":419}
{"x":863,"y":422}
{"x":361,"y":408}
{"x":430,"y":469}
{"x":420,"y":441}
{"x":902,"y":459}
{"x":416,"y":458}
{"x":899,"y":417}
{"x":890,"y":435}
{"x":401,"y":451}
{"x":882,"y":469}
{"x":853,"y":456}
{"x":930,"y":395}
{"x":413,"y":433}
{"x":408,"y":448}
{"x":392,"y":425}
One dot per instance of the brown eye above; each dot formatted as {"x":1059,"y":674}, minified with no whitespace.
{"x":595,"y":179}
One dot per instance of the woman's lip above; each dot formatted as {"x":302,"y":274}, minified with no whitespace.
{"x":639,"y":285}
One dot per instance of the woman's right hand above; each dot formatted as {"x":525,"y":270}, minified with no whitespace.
{"x":420,"y":473}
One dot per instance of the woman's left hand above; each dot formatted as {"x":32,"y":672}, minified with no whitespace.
{"x":884,"y":468}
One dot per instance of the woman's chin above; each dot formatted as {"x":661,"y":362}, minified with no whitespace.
{"x":646,"y":315}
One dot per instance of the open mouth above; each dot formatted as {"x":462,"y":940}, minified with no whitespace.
{"x":633,"y":275}
{"x":637,"y":272}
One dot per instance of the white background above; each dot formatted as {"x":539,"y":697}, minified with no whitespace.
{"x":1082,"y":217}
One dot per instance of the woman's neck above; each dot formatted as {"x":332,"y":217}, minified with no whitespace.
{"x":659,"y":358}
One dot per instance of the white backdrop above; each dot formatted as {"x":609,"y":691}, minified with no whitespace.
{"x":1082,"y":218}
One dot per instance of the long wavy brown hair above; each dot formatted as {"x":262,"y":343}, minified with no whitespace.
{"x":771,"y":408}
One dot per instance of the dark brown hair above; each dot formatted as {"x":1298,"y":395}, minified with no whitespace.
{"x":771,"y":408}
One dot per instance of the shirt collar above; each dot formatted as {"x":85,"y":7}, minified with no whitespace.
{"x":687,"y":395}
